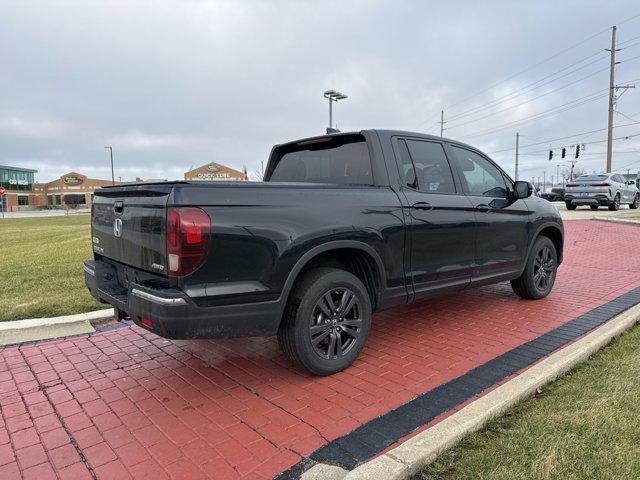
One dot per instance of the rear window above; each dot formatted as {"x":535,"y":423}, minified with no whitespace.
{"x":343,"y":160}
{"x":591,"y":178}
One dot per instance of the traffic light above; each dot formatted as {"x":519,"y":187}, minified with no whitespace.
{"x":577,"y":151}
{"x":550,"y":154}
{"x":564,"y":152}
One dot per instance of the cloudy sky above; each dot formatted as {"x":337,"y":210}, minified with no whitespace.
{"x":172,"y":84}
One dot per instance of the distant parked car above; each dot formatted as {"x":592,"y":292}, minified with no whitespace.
{"x":555,"y":194}
{"x":608,"y":189}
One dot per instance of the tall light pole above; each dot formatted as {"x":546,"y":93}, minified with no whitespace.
{"x":517,"y":152}
{"x":333,"y":96}
{"x":113,"y":178}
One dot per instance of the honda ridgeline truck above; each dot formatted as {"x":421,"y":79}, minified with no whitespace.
{"x":343,"y":225}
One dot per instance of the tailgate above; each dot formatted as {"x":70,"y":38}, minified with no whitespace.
{"x":128,"y":225}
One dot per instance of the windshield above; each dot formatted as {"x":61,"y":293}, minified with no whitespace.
{"x":343,"y":160}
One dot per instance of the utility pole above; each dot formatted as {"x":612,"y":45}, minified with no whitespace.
{"x":612,"y":89}
{"x":558,"y":172}
{"x":544,"y":179}
{"x":517,"y":152}
{"x":441,"y":122}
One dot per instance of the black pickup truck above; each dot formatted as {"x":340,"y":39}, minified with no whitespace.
{"x":344,"y":225}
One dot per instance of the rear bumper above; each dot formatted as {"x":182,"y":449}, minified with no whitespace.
{"x":599,"y":199}
{"x":172,"y":314}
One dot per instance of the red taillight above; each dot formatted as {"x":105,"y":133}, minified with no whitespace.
{"x":188,"y":234}
{"x":146,"y":322}
{"x":605,"y":184}
{"x":572,"y":185}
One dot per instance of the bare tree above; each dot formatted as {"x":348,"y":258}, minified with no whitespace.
{"x":577,"y":172}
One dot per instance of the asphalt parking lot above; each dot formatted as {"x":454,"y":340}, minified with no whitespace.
{"x":124,"y":403}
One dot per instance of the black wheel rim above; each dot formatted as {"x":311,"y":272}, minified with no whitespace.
{"x":336,"y":323}
{"x":636,"y":201}
{"x":616,"y":202}
{"x":543,"y":269}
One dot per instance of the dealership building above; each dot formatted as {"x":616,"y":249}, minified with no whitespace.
{"x":75,"y":190}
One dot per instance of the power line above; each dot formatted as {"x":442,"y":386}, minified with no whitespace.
{"x":561,"y":138}
{"x":486,"y":132}
{"x":555,"y":55}
{"x":520,"y":104}
{"x":541,"y":115}
{"x":520,"y":91}
{"x":624,"y":137}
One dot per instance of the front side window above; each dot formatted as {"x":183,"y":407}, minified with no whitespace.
{"x":481,"y":177}
{"x":343,"y":160}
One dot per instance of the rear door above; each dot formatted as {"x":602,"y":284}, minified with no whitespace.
{"x":440,"y":219}
{"x":502,"y":224}
{"x":129,"y":226}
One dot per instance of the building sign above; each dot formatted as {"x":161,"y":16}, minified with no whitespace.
{"x":214,"y":171}
{"x":214,"y":176}
{"x":13,"y":181}
{"x":72,"y":179}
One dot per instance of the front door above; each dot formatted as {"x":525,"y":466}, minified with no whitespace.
{"x":441,"y":224}
{"x":501,"y":236}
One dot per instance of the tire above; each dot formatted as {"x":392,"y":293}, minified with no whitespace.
{"x":594,"y":207}
{"x":636,"y":202}
{"x":543,"y":256}
{"x":570,"y":206}
{"x":309,"y":307}
{"x":615,"y":205}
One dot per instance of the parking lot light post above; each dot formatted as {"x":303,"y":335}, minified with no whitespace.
{"x":333,"y":96}
{"x":113,"y":178}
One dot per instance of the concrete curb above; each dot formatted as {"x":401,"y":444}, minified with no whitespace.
{"x":32,"y":329}
{"x":410,"y":457}
{"x":617,"y":220}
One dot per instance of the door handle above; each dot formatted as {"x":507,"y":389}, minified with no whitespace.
{"x":483,"y":208}
{"x":422,"y":206}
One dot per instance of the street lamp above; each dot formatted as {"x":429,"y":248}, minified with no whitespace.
{"x":333,"y":96}
{"x":113,"y":178}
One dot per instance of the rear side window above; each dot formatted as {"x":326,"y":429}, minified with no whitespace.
{"x":343,"y":160}
{"x":481,"y":177}
{"x":425,"y":166}
{"x":592,"y":178}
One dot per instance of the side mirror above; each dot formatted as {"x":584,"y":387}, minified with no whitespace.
{"x":522,"y":189}
{"x":631,"y":182}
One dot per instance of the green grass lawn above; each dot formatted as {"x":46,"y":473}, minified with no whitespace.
{"x":584,"y":426}
{"x":41,"y":267}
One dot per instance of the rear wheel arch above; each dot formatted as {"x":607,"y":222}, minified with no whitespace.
{"x":355,"y":257}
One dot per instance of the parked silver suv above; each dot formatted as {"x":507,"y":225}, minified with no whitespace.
{"x":608,"y":189}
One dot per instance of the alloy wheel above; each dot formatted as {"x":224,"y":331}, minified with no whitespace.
{"x":336,"y":323}
{"x":543,"y":269}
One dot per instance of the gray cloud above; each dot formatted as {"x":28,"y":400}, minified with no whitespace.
{"x":174,"y":84}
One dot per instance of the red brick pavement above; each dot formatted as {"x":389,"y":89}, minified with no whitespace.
{"x":125,"y":403}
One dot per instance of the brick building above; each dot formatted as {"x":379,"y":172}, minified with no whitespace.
{"x":215,"y":172}
{"x":23,"y":193}
{"x":75,"y":190}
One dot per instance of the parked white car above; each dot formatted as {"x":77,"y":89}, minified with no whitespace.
{"x":608,"y":189}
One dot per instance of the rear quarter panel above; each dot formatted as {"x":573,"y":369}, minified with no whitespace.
{"x":261,"y":230}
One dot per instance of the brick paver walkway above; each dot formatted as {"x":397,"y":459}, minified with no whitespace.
{"x":125,"y":403}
